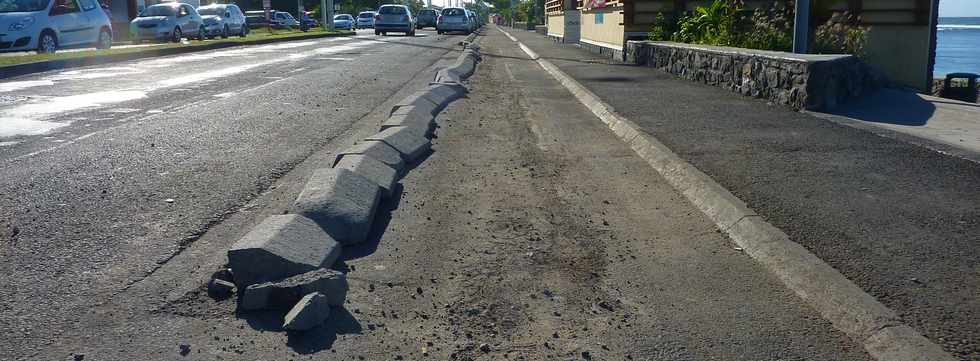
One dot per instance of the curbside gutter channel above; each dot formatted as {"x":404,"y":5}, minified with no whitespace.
{"x":284,"y":262}
{"x":59,"y":64}
{"x":837,"y":299}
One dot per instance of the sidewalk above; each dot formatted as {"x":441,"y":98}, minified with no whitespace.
{"x":899,"y":220}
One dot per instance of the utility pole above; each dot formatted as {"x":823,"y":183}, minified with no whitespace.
{"x":328,"y":12}
{"x":323,"y":14}
{"x":801,"y":27}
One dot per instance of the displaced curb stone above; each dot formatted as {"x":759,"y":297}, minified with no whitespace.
{"x":342,"y":202}
{"x":220,"y":289}
{"x":279,"y":247}
{"x":283,"y":294}
{"x":419,"y":101}
{"x":405,"y":141}
{"x":308,"y":313}
{"x":444,"y":94}
{"x":372,"y":169}
{"x":377,"y":150}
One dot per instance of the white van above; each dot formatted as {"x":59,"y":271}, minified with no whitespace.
{"x":47,"y":25}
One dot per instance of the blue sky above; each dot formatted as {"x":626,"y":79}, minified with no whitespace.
{"x":959,"y":8}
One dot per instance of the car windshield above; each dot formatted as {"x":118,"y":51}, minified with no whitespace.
{"x":288,"y":16}
{"x":342,"y":17}
{"x":211,"y":10}
{"x":366,"y":15}
{"x":10,"y":6}
{"x":392,"y":10}
{"x":159,"y":10}
{"x":453,"y":12}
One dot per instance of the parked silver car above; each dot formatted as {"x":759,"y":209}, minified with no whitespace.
{"x":47,"y":25}
{"x":343,"y":21}
{"x":453,"y":19}
{"x":397,"y":18}
{"x":169,"y":21}
{"x":223,"y":20}
{"x":365,"y":20}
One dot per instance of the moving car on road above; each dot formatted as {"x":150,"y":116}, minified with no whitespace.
{"x":397,"y":18}
{"x":47,"y":25}
{"x":223,"y":20}
{"x":168,"y":21}
{"x":426,"y":18}
{"x":453,"y":19}
{"x":343,"y":21}
{"x":365,"y":20}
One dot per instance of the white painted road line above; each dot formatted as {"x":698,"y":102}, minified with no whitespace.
{"x":847,"y":306}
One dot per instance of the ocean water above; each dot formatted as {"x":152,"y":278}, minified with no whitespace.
{"x":957,"y":46}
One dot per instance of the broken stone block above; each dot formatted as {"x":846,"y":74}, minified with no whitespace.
{"x":444,"y":94}
{"x":283,"y":294}
{"x":308,"y":313}
{"x":220,"y":289}
{"x":342,"y":202}
{"x":420,"y":102}
{"x":377,"y":150}
{"x":372,"y":169}
{"x":405,"y":141}
{"x":279,"y":247}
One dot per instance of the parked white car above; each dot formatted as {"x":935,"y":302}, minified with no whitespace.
{"x":48,"y":25}
{"x":365,"y":20}
{"x":223,"y":20}
{"x":169,"y":21}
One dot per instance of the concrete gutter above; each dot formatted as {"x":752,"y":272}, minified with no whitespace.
{"x":858,"y":314}
{"x":40,"y":66}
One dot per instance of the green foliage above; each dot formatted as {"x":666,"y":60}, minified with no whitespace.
{"x":843,"y":33}
{"x":662,"y":28}
{"x":769,"y":29}
{"x":714,"y":24}
{"x":724,"y":22}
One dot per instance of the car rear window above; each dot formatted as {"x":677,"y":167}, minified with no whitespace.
{"x":392,"y":10}
{"x":365,"y":15}
{"x":427,"y":12}
{"x":453,"y":12}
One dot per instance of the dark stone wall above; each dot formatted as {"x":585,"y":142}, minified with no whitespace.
{"x":813,"y":82}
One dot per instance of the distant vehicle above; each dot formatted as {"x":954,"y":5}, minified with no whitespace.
{"x":223,"y":20}
{"x":453,"y":19}
{"x":256,"y":20}
{"x":426,"y":18}
{"x":365,"y":20}
{"x":343,"y":21}
{"x":46,"y":25}
{"x":167,"y":21}
{"x":286,"y":19}
{"x":397,"y":18}
{"x":474,"y":23}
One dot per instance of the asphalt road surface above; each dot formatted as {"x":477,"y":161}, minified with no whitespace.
{"x":107,"y":172}
{"x":531,"y":232}
{"x":899,"y":220}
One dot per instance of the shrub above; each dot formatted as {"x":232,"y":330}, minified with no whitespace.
{"x":843,"y":33}
{"x":661,"y":29}
{"x":769,"y":29}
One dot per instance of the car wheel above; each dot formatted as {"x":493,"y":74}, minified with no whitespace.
{"x":105,"y":39}
{"x":47,"y":43}
{"x":376,"y":33}
{"x":384,"y":33}
{"x":177,"y":34}
{"x":201,"y":33}
{"x":244,"y":32}
{"x":224,"y":32}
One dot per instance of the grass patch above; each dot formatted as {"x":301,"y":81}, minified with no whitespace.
{"x":254,"y":36}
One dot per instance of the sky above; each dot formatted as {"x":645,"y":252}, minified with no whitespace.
{"x":953,"y":8}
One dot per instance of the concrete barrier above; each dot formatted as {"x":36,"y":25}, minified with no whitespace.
{"x":444,"y":93}
{"x":285,"y":293}
{"x":342,"y":202}
{"x":445,"y":76}
{"x":372,"y":169}
{"x":377,"y":150}
{"x":419,"y":101}
{"x":279,"y":247}
{"x":419,"y":125}
{"x":405,"y":141}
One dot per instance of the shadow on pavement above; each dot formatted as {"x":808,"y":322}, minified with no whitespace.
{"x":340,"y":322}
{"x":890,"y":106}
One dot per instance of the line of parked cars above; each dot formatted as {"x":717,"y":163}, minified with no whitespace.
{"x":399,"y":18}
{"x":173,"y":21}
